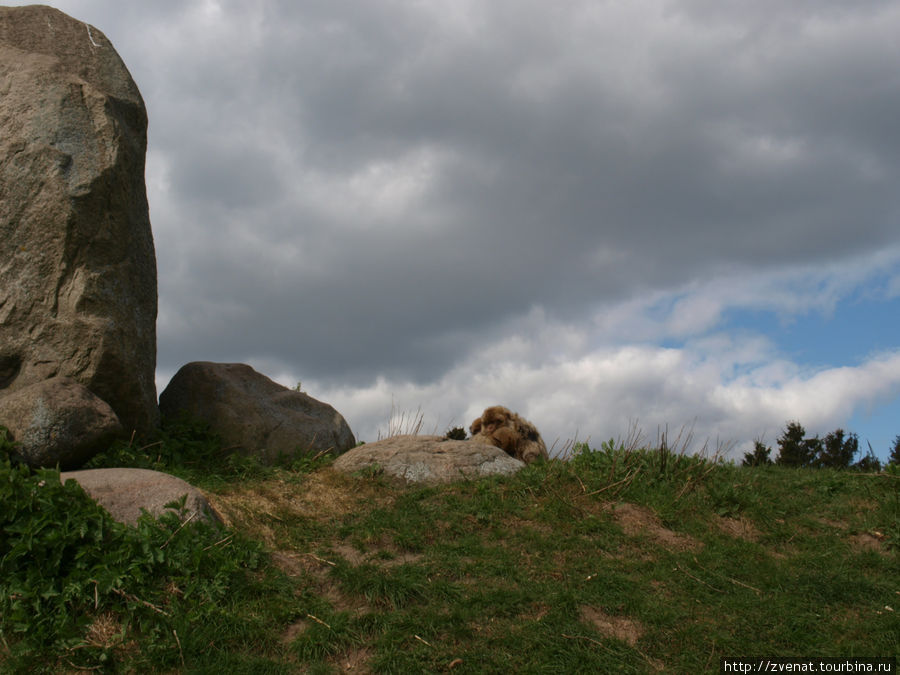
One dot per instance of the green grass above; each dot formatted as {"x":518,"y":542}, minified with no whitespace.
{"x":618,"y":560}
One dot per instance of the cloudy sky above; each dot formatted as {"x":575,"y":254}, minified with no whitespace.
{"x":675,"y":212}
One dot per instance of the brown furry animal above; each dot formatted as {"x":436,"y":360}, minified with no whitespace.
{"x":513,"y":434}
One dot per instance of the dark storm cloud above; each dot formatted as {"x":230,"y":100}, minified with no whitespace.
{"x":579,"y":152}
{"x":399,"y":192}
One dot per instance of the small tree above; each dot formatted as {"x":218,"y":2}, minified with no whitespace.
{"x":795,"y":450}
{"x":894,"y":457}
{"x":836,"y":452}
{"x":759,"y":456}
{"x":869,"y":463}
{"x":456,"y":434}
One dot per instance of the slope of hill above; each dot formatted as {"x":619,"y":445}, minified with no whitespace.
{"x":619,"y":560}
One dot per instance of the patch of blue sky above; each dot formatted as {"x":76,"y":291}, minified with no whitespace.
{"x":843,"y":330}
{"x":878,"y":427}
{"x":857,"y":329}
{"x":854,"y":331}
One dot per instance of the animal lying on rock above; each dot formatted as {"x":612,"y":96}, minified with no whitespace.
{"x":515,"y":435}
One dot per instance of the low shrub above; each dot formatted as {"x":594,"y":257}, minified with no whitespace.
{"x":67,"y":568}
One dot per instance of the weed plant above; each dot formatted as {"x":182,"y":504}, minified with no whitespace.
{"x":81,"y":591}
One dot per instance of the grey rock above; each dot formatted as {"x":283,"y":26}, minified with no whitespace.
{"x":253,"y":414}
{"x":429,"y":459}
{"x":126,"y":492}
{"x":58,"y":421}
{"x":77,"y":264}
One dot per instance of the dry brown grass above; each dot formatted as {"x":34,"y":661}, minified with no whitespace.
{"x":322,"y":496}
{"x":638,"y":521}
{"x":618,"y":627}
{"x":740,"y":528}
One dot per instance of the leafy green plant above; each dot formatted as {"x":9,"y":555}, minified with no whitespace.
{"x":372,"y":471}
{"x":66,"y":566}
{"x":456,"y":434}
{"x":309,"y":463}
{"x":180,"y":443}
{"x":8,"y":448}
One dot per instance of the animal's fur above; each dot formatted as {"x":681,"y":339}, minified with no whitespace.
{"x":515,"y":435}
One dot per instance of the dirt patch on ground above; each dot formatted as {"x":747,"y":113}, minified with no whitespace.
{"x":293,"y":631}
{"x":832,"y":523}
{"x":315,"y":571}
{"x":863,"y":504}
{"x":873,"y":540}
{"x":868,"y":541}
{"x":398,"y":559}
{"x":323,"y":493}
{"x":381,"y":552}
{"x":535,"y":611}
{"x":349,"y":553}
{"x":618,"y":627}
{"x":639,"y":521}
{"x":739,"y":528}
{"x":529,"y":525}
{"x":621,"y":628}
{"x":354,"y":661}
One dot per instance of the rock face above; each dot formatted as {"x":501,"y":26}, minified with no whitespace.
{"x":253,"y":414}
{"x":58,"y":421}
{"x":77,"y":263}
{"x":124,"y":492}
{"x":429,"y":459}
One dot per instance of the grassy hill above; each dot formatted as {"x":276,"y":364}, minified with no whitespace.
{"x":619,"y":560}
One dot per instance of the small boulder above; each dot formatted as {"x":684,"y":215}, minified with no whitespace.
{"x":429,"y":459}
{"x":126,"y":492}
{"x":58,"y":421}
{"x":254,"y":415}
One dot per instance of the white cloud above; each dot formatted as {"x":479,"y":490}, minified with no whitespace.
{"x":729,"y":388}
{"x":600,"y":394}
{"x":561,"y":207}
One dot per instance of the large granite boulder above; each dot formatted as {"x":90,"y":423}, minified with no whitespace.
{"x":253,"y":414}
{"x":58,"y":422}
{"x":429,"y":459}
{"x":77,"y":263}
{"x":127,"y":492}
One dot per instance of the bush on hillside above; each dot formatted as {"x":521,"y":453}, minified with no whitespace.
{"x":65,"y":564}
